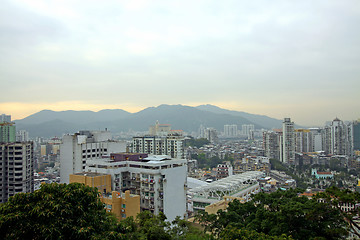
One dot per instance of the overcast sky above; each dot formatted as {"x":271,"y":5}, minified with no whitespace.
{"x":298,"y":59}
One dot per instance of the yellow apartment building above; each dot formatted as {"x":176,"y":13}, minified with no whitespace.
{"x":223,"y":204}
{"x":123,"y":205}
{"x":101,"y":181}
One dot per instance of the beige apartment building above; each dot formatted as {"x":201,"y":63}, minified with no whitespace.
{"x":123,"y":205}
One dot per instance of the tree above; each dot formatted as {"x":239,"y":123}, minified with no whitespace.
{"x":182,"y":229}
{"x":230,"y":233}
{"x":155,"y":227}
{"x":56,"y":211}
{"x":202,"y":160}
{"x":196,"y":142}
{"x":278,"y":214}
{"x":335,"y":198}
{"x":74,"y":211}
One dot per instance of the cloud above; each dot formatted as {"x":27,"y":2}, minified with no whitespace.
{"x":243,"y":52}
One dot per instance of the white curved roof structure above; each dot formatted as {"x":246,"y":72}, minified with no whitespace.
{"x":229,"y":186}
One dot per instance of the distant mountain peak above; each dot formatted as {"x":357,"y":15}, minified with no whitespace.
{"x":262,"y":120}
{"x":179,"y":116}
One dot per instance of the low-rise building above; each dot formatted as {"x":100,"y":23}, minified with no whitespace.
{"x":221,"y":205}
{"x":224,"y":170}
{"x":101,"y":181}
{"x":123,"y":205}
{"x":252,"y":163}
{"x":321,"y":175}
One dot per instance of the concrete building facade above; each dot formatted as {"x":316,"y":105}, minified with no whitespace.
{"x":22,"y":136}
{"x":171,"y":144}
{"x":7,"y":132}
{"x":224,"y":170}
{"x":338,"y":138}
{"x":159,"y":129}
{"x":287,"y":148}
{"x":248,"y":130}
{"x":303,"y":140}
{"x":317,"y":143}
{"x":5,"y":118}
{"x":75,"y":149}
{"x":356,"y":129}
{"x":160,"y":181}
{"x":230,"y":130}
{"x":271,"y":144}
{"x":16,"y":169}
{"x":211,"y":135}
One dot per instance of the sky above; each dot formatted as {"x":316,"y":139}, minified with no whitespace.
{"x":280,"y":58}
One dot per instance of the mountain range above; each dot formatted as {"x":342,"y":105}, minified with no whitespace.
{"x":47,"y":123}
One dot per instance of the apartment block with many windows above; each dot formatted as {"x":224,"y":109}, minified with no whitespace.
{"x":76,"y":148}
{"x":16,"y":169}
{"x":159,"y":180}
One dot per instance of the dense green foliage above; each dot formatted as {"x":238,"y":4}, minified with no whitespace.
{"x":230,"y":233}
{"x":73,"y":211}
{"x":196,"y":142}
{"x":278,"y":214}
{"x":152,"y":227}
{"x":56,"y":211}
{"x":336,"y":197}
{"x":343,"y":177}
{"x":277,"y":165}
{"x":204,"y":162}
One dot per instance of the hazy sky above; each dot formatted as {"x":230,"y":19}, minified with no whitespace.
{"x":298,"y":59}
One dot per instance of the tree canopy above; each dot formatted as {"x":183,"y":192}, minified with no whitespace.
{"x":281,"y":214}
{"x":56,"y":211}
{"x":196,"y":142}
{"x":154,"y":227}
{"x":336,"y":198}
{"x":74,"y":211}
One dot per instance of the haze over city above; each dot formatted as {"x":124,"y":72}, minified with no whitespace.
{"x":280,"y":59}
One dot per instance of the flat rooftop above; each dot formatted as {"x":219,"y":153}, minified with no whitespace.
{"x":90,"y":174}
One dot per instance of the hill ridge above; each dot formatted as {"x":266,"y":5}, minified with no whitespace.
{"x":179,"y":116}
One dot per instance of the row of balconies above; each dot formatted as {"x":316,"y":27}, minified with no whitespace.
{"x":148,"y":189}
{"x":148,"y":180}
{"x":147,"y":198}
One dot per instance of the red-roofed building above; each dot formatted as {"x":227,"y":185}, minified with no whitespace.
{"x":321,"y":175}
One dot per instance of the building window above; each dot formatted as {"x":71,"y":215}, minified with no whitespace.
{"x":123,"y":215}
{"x":123,"y":205}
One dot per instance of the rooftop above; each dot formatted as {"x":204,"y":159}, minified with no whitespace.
{"x":90,"y":174}
{"x":231,"y":184}
{"x":157,"y":157}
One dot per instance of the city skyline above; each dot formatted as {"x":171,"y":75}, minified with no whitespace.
{"x":299,"y":60}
